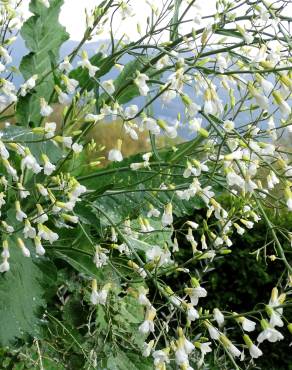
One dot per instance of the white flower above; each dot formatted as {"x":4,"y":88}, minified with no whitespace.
{"x":192,"y":314}
{"x":228,"y":125}
{"x":99,"y":297}
{"x":151,"y":125}
{"x":160,"y":358}
{"x":12,"y":171}
{"x":4,"y":266}
{"x":50,"y":128}
{"x":20,"y":215}
{"x":171,"y":131}
{"x":270,"y":334}
{"x":46,"y":110}
{"x":234,"y":351}
{"x":168,"y":96}
{"x":147,"y":347}
{"x":146,"y":327}
{"x":45,"y":233}
{"x":115,"y":155}
{"x":126,"y":10}
{"x":100,"y":258}
{"x":162,"y":62}
{"x":66,"y":65}
{"x":70,"y":83}
{"x":85,"y":63}
{"x":221,"y":62}
{"x":142,"y":298}
{"x":195,"y":294}
{"x":153,"y":212}
{"x":29,"y":231}
{"x":158,"y":255}
{"x":218,"y":316}
{"x":46,"y":3}
{"x":275,"y":319}
{"x":77,"y":148}
{"x":131,"y":111}
{"x":181,"y":356}
{"x":254,"y":351}
{"x":213,"y":332}
{"x":30,"y":163}
{"x":64,"y":98}
{"x":248,"y":325}
{"x":234,"y":179}
{"x":3,"y":151}
{"x":108,"y":86}
{"x":49,"y":168}
{"x":40,"y":250}
{"x":239,"y":229}
{"x":262,"y":101}
{"x":167,"y":218}
{"x":205,"y":348}
{"x":42,"y":216}
{"x":25,"y":251}
{"x":140,"y":82}
{"x":195,"y":124}
{"x":267,"y":86}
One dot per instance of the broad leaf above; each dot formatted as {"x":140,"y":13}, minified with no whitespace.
{"x":22,"y":292}
{"x":43,"y":36}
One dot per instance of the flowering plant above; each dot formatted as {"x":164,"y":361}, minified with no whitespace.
{"x":144,"y":232}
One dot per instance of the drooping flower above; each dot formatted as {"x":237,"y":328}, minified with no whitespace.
{"x":115,"y":155}
{"x":141,"y":82}
{"x":46,"y":110}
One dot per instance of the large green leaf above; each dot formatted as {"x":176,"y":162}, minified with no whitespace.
{"x":43,"y":36}
{"x":34,"y":142}
{"x":22,"y":292}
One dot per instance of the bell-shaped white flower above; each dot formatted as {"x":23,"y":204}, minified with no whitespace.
{"x":40,"y":250}
{"x":213,"y":332}
{"x":66,"y":65}
{"x":25,"y":251}
{"x":141,"y":82}
{"x":4,"y":266}
{"x":4,"y":154}
{"x":270,"y":334}
{"x":148,"y":325}
{"x":108,"y":86}
{"x":147,"y":348}
{"x":254,"y":351}
{"x":115,"y":155}
{"x":49,"y":167}
{"x":167,"y":217}
{"x":29,"y":231}
{"x":131,"y":111}
{"x":45,"y":233}
{"x":20,"y":215}
{"x":85,"y":63}
{"x":46,"y":110}
{"x":100,"y":257}
{"x":218,"y":316}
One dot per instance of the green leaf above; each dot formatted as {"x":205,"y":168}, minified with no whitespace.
{"x":43,"y":36}
{"x":21,"y":297}
{"x":128,"y":361}
{"x":33,"y":141}
{"x":83,"y":263}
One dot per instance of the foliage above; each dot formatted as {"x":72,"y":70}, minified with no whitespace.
{"x":177,"y":256}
